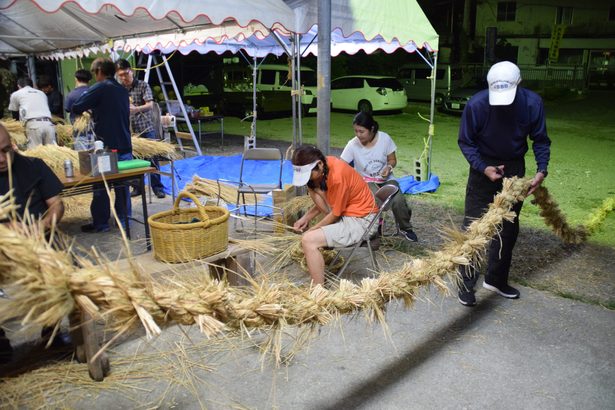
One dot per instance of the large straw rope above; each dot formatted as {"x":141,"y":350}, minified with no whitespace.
{"x":49,"y":285}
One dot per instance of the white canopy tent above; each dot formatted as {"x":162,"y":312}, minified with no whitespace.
{"x":43,"y":27}
{"x":356,"y":25}
{"x":69,"y":28}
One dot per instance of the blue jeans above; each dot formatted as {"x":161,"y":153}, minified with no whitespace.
{"x":100,"y":208}
{"x":83,"y":141}
{"x":154,"y":178}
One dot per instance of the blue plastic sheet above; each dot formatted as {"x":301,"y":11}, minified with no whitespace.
{"x":409,"y":185}
{"x":255,"y":172}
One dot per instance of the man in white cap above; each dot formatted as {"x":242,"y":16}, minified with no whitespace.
{"x":493,"y":133}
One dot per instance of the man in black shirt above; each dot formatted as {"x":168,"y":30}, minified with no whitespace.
{"x":35,"y":188}
{"x":54,"y":97}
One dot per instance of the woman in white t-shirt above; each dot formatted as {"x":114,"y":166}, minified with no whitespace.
{"x":372,"y":153}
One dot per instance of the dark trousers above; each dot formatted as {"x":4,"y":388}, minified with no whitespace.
{"x":100,"y":209}
{"x":399,"y":206}
{"x":479,"y":194}
{"x":154,"y":178}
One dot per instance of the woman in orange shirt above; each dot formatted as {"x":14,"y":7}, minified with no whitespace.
{"x":341,"y":195}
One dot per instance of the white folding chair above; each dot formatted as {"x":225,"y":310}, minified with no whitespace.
{"x":245,"y":187}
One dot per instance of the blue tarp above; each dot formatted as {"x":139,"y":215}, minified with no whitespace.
{"x":213,"y":167}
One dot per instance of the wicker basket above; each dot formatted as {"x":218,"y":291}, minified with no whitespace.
{"x":176,"y":238}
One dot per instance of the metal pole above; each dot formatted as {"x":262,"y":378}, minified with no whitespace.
{"x":293,"y":94}
{"x":431,"y":131}
{"x":323,"y":117}
{"x":300,"y":102}
{"x":32,"y":69}
{"x":254,"y":105}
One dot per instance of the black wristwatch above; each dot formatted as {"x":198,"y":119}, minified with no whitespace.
{"x":543,"y":172}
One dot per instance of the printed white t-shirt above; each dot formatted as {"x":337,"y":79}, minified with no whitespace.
{"x":30,"y":102}
{"x":369,"y":162}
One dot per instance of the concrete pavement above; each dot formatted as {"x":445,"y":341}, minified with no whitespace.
{"x":538,"y":352}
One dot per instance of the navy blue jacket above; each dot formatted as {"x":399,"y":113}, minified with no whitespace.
{"x":71,"y":98}
{"x":501,"y":132}
{"x":108,"y":101}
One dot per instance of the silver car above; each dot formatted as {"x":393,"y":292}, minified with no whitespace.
{"x":455,"y":101}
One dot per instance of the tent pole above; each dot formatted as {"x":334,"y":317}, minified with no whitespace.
{"x":293,"y":93}
{"x":300,"y":90}
{"x":254,"y":78}
{"x":31,"y":64}
{"x":295,"y":80}
{"x":430,"y":132}
{"x":323,"y":117}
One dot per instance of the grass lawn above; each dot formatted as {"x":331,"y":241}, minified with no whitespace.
{"x":581,"y":170}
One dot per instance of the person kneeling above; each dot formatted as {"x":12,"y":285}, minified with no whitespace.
{"x":341,"y":195}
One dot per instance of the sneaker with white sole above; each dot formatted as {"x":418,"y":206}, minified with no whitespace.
{"x":409,"y":235}
{"x":466,"y":298}
{"x":503,"y":290}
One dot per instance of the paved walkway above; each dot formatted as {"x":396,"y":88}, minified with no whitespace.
{"x":538,"y":352}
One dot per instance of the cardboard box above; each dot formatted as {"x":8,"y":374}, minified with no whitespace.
{"x":96,"y":163}
{"x":280,"y":199}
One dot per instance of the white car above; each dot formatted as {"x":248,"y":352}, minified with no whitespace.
{"x":368,"y":93}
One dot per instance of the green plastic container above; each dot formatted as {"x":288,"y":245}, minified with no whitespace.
{"x":132,"y":164}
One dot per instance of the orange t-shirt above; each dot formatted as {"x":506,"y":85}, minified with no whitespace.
{"x":347,"y":192}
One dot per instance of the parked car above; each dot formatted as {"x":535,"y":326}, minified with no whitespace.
{"x":234,"y":94}
{"x":274,"y":77}
{"x":367,"y":93}
{"x":416,"y":81}
{"x":456,"y":100}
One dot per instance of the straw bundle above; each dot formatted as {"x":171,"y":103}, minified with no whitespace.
{"x":287,"y":249}
{"x":209,"y":188}
{"x":550,"y":212}
{"x":298,"y":206}
{"x":64,"y":135}
{"x":599,"y":215}
{"x":15,"y":130}
{"x":54,"y":156}
{"x":146,"y":148}
{"x":82,"y":122}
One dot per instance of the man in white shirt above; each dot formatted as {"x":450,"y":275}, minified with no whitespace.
{"x":30,"y":106}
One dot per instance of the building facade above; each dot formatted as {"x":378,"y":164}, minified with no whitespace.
{"x":557,"y":34}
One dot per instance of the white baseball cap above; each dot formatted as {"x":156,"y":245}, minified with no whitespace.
{"x":301,"y":173}
{"x":503,"y":79}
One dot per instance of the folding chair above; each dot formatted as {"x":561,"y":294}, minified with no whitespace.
{"x":385,"y":195}
{"x":244,"y":187}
